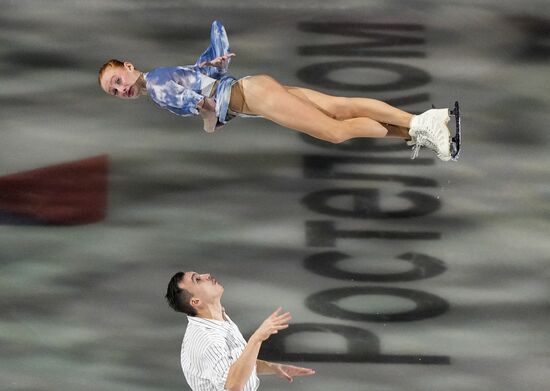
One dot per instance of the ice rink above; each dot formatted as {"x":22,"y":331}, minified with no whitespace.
{"x":400,"y":274}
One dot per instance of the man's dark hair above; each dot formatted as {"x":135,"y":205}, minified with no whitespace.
{"x":179,"y":298}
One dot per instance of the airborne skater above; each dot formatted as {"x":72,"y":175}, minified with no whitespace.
{"x":206,"y":89}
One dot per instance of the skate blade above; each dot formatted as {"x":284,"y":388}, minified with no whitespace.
{"x":455,"y":141}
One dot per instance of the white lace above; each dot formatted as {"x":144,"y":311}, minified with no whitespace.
{"x":422,"y":140}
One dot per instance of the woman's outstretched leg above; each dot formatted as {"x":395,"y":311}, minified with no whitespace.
{"x":355,"y":107}
{"x":336,"y":119}
{"x":395,"y":120}
{"x":428,"y":129}
{"x":262,"y":95}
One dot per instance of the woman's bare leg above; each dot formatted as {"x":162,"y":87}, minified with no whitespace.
{"x":355,"y":107}
{"x":395,"y":120}
{"x":262,"y":95}
{"x":337,"y":119}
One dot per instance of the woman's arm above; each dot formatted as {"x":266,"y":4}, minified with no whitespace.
{"x":221,"y":62}
{"x":219,"y":46}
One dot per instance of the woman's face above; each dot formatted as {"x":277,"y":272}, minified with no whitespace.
{"x":122,"y":82}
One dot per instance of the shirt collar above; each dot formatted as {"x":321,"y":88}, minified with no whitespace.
{"x":210,"y":323}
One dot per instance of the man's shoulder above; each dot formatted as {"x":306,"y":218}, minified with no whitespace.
{"x":202,"y":343}
{"x":202,"y":331}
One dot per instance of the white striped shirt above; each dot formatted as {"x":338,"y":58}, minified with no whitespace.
{"x":209,"y":348}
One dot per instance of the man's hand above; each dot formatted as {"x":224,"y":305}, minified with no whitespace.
{"x":289,"y":372}
{"x":219,"y":62}
{"x":275,"y":322}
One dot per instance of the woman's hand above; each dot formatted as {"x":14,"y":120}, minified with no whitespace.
{"x":207,"y":110}
{"x":207,"y":104}
{"x":219,"y":62}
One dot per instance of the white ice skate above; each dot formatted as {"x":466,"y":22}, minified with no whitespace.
{"x":430,"y":130}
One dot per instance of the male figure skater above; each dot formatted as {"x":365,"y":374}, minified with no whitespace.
{"x":214,"y":354}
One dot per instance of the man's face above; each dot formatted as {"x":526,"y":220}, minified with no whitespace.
{"x":203,"y":287}
{"x":121,"y":81}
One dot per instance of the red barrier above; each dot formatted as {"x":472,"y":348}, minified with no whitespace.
{"x":66,"y":194}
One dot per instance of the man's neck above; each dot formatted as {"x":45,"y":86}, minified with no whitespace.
{"x":212,"y":311}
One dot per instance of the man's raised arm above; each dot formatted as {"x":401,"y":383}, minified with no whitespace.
{"x":241,"y":370}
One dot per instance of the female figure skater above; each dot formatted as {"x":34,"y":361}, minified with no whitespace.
{"x":206,"y":89}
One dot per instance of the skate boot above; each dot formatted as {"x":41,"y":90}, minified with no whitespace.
{"x":430,"y":130}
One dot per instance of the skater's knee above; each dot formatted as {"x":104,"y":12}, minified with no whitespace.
{"x":336,"y":137}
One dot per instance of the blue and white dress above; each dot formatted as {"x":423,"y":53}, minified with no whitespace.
{"x":179,"y":89}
